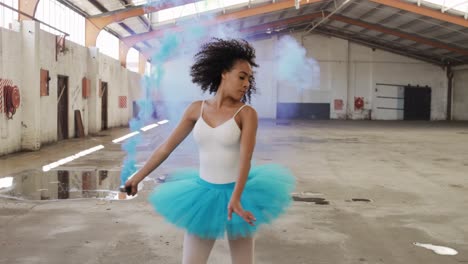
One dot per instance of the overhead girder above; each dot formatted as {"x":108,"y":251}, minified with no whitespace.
{"x":274,"y":7}
{"x":95,"y":24}
{"x":400,"y":34}
{"x":423,"y":11}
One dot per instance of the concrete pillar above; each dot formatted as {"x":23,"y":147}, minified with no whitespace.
{"x":94,"y":103}
{"x":141,"y":64}
{"x":123,"y":52}
{"x":30,"y":96}
{"x":91,"y":33}
{"x":123,"y":113}
{"x":3,"y":121}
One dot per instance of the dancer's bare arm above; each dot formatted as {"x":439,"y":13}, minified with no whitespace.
{"x":182,"y":130}
{"x":249,"y":121}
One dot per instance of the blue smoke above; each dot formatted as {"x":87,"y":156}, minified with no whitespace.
{"x":168,"y":89}
{"x":162,"y":89}
{"x":169,"y":44}
{"x":293,"y":67}
{"x":129,"y":165}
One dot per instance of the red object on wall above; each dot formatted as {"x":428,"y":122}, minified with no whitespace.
{"x":122,"y":101}
{"x":86,"y":87}
{"x":3,"y":83}
{"x":44,"y":82}
{"x":15,"y":96}
{"x":358,"y":103}
{"x":338,"y":104}
{"x":11,"y":99}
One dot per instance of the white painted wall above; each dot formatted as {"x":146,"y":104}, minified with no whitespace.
{"x":265,"y":99}
{"x":389,"y":68}
{"x":10,"y":55}
{"x":349,"y":70}
{"x":460,"y":94}
{"x":117,"y":80}
{"x":23,"y":54}
{"x":72,"y":64}
{"x":29,"y":61}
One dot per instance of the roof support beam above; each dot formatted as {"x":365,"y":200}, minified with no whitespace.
{"x":95,"y":24}
{"x":259,"y":29}
{"x":105,"y":19}
{"x":400,"y":34}
{"x":142,"y":64}
{"x":123,"y":52}
{"x":130,"y":41}
{"x":27,"y":6}
{"x":91,"y":33}
{"x":423,"y":11}
{"x":270,"y":8}
{"x":289,"y":22}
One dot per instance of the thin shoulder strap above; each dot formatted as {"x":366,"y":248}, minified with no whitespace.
{"x":239,"y":110}
{"x":201,"y":108}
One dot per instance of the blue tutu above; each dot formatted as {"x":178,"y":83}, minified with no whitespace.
{"x":200,"y":207}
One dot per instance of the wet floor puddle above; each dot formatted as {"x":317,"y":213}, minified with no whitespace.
{"x":365,"y":200}
{"x":62,"y":184}
{"x":309,"y":197}
{"x":320,"y":201}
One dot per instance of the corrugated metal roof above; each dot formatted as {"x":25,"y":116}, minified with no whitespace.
{"x":363,"y":21}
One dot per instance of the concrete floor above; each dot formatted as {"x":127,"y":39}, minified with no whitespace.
{"x":414,"y":173}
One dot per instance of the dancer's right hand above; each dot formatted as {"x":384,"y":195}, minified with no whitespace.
{"x":235,"y":206}
{"x":131,"y":186}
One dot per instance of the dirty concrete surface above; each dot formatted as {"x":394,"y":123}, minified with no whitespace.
{"x":385,"y":185}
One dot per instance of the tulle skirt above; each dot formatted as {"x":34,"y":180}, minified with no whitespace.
{"x":200,"y":207}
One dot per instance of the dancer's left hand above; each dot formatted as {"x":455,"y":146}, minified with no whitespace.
{"x":236,"y":207}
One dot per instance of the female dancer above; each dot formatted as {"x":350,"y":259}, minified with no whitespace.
{"x":226,"y":195}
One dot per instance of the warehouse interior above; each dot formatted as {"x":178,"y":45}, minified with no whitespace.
{"x":366,"y":101}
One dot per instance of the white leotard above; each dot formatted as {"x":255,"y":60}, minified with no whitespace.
{"x":219,"y":149}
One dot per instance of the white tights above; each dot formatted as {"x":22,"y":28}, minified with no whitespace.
{"x":197,"y":250}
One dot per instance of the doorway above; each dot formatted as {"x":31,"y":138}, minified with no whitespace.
{"x":417,"y":103}
{"x":104,"y":106}
{"x":62,"y":107}
{"x":63,"y":178}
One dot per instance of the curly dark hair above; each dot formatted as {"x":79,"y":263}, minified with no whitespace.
{"x":217,"y":56}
